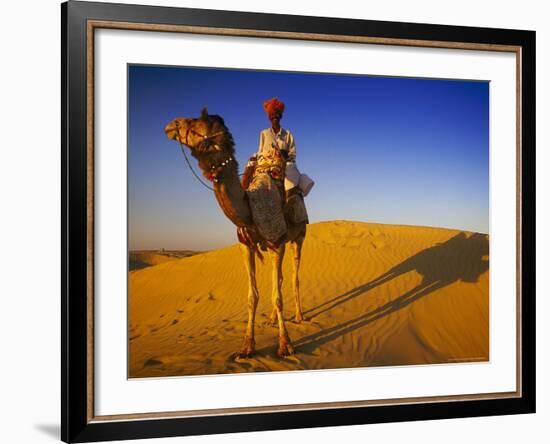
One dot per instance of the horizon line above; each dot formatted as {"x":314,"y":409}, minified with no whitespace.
{"x":315,"y":223}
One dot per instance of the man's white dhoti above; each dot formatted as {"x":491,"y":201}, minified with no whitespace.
{"x":292,"y":176}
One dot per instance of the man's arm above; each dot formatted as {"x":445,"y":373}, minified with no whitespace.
{"x":291,"y":148}
{"x":260,"y":144}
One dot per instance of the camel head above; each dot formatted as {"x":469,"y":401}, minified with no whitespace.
{"x":209,"y":140}
{"x":205,"y":135}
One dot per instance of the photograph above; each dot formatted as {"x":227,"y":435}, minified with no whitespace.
{"x":282,"y":221}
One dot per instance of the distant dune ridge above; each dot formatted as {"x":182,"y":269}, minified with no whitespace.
{"x":146,"y":258}
{"x":372,"y":295}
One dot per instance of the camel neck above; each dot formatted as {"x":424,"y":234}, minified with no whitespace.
{"x":232,"y":198}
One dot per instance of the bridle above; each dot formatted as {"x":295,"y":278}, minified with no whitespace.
{"x":206,"y":138}
{"x":215,"y":170}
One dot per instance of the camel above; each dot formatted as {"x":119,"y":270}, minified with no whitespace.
{"x":211,"y":143}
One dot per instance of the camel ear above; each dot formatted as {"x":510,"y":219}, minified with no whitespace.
{"x":204,"y":113}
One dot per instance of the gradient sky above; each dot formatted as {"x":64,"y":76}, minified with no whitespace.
{"x":380,"y":149}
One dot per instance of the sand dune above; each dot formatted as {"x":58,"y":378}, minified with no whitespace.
{"x":372,"y":295}
{"x":139,"y":259}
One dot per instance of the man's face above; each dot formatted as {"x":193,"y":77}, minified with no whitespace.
{"x":275,"y":117}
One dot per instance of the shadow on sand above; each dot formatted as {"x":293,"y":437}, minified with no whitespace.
{"x":461,"y":258}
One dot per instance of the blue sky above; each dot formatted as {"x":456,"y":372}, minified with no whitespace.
{"x":380,"y":149}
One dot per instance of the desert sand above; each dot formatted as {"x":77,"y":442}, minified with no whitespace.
{"x":372,"y":295}
{"x":146,"y":258}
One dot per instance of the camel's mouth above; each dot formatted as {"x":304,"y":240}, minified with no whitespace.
{"x":171,"y":130}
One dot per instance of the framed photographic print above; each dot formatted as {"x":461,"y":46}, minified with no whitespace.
{"x":275,"y":221}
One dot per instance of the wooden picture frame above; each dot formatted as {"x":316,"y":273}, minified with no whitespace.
{"x":79,"y":22}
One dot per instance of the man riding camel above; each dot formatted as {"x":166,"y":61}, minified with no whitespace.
{"x":276,"y":156}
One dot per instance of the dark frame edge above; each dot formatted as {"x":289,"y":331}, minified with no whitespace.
{"x":64,"y":172}
{"x":528,"y":219}
{"x":74,"y":335}
{"x":144,"y":429}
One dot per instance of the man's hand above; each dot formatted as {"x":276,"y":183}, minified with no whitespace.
{"x":252,"y":161}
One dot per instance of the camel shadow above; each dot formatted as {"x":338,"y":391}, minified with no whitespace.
{"x":461,"y":258}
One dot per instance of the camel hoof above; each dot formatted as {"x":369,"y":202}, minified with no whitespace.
{"x":248,"y":348}
{"x":285,"y":348}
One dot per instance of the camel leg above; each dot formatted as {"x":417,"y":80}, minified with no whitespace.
{"x":297,"y":250}
{"x":297,"y":256}
{"x":249,"y":344}
{"x":273,"y":316}
{"x":285,"y":346}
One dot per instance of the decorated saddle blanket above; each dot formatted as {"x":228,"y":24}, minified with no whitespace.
{"x":266,"y":203}
{"x":295,"y":208}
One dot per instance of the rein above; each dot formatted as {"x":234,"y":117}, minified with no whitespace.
{"x":204,"y":184}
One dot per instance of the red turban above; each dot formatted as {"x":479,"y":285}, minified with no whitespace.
{"x":273,"y":105}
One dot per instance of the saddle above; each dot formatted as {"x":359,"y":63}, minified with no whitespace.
{"x":273,"y":209}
